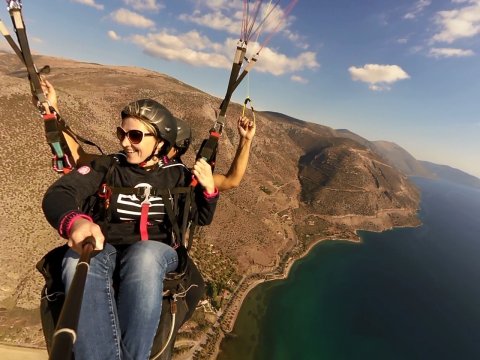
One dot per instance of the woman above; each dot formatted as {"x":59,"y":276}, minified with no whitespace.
{"x":134,"y":244}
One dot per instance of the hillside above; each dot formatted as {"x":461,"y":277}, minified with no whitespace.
{"x":303,"y":184}
{"x":401,"y":159}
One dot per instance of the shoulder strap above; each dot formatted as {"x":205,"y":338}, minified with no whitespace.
{"x":179,"y":229}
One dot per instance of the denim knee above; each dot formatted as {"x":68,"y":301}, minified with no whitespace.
{"x":149,"y":258}
{"x":101,"y":262}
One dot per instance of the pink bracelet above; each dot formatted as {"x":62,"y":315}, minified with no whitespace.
{"x":72,"y":220}
{"x":67,"y":222}
{"x":209,"y":196}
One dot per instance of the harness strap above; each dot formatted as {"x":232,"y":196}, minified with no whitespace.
{"x":187,"y":222}
{"x":144,"y":215}
{"x":8,"y":37}
{"x":208,"y":151}
{"x":173,"y":220}
{"x":15,"y":10}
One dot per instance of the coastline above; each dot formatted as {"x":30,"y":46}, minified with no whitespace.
{"x":228,"y":318}
{"x":227,"y":327}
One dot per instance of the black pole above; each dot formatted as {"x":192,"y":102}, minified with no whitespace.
{"x":65,"y":333}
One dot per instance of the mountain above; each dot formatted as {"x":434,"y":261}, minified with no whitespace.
{"x":304,"y":183}
{"x":451,"y":174}
{"x":402,"y":159}
{"x":406,"y":163}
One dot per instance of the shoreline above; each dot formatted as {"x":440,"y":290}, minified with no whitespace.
{"x":269,"y":276}
{"x":227,"y":319}
{"x":232,"y":310}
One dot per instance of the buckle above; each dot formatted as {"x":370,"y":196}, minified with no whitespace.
{"x":104,"y":192}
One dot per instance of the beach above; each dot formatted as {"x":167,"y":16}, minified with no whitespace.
{"x":229,"y":316}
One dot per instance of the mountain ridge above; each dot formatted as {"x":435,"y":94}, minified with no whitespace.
{"x":400,"y":158}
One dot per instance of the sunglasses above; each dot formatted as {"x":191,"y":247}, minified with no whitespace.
{"x":134,"y":136}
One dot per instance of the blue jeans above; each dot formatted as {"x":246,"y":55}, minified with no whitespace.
{"x":120,"y":325}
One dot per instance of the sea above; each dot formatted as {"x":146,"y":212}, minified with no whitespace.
{"x":406,"y":293}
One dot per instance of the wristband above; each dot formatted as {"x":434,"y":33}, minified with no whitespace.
{"x":209,"y":196}
{"x":67,"y":222}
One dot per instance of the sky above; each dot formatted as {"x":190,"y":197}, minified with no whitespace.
{"x":406,"y":71}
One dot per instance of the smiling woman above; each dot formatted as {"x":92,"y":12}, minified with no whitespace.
{"x":136,"y":204}
{"x":148,"y":132}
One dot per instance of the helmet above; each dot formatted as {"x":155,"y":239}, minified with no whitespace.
{"x":157,"y":115}
{"x":184,"y":136}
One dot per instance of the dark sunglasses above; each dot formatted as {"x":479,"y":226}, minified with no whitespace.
{"x":134,"y":136}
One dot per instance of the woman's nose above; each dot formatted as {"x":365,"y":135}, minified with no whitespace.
{"x":125,"y":142}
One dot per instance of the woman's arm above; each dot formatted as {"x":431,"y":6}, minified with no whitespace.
{"x":63,"y":203}
{"x":246,"y":129}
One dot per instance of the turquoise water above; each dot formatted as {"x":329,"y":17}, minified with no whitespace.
{"x":410,"y":293}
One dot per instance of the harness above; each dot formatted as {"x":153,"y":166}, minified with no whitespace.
{"x":182,"y":223}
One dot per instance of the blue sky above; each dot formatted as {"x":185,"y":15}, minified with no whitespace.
{"x":405,"y":71}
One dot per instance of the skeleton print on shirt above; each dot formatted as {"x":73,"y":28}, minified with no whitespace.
{"x":129,"y":206}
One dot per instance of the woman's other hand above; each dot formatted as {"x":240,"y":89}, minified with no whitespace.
{"x":203,"y":172}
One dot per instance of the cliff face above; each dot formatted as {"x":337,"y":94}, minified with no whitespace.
{"x":303,"y":182}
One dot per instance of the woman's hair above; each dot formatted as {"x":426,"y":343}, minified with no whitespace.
{"x":148,"y":125}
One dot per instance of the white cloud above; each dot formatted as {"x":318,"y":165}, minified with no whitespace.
{"x":144,"y":5}
{"x":191,"y":48}
{"x":417,"y":9}
{"x":450,"y":52}
{"x":299,"y":79}
{"x":277,"y":64}
{"x":91,"y":3}
{"x":296,"y":39}
{"x":130,"y":18}
{"x":459,"y":23}
{"x":113,"y":35}
{"x":196,"y":49}
{"x":214,"y":20}
{"x":402,"y":41}
{"x":227,"y":15}
{"x":217,"y":4}
{"x":378,"y":76}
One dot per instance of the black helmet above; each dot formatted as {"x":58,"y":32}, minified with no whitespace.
{"x":184,"y":136}
{"x":157,"y":115}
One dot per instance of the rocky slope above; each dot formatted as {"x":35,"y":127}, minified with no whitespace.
{"x":304,"y":182}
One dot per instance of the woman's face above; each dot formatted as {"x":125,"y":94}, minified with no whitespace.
{"x":137,"y":153}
